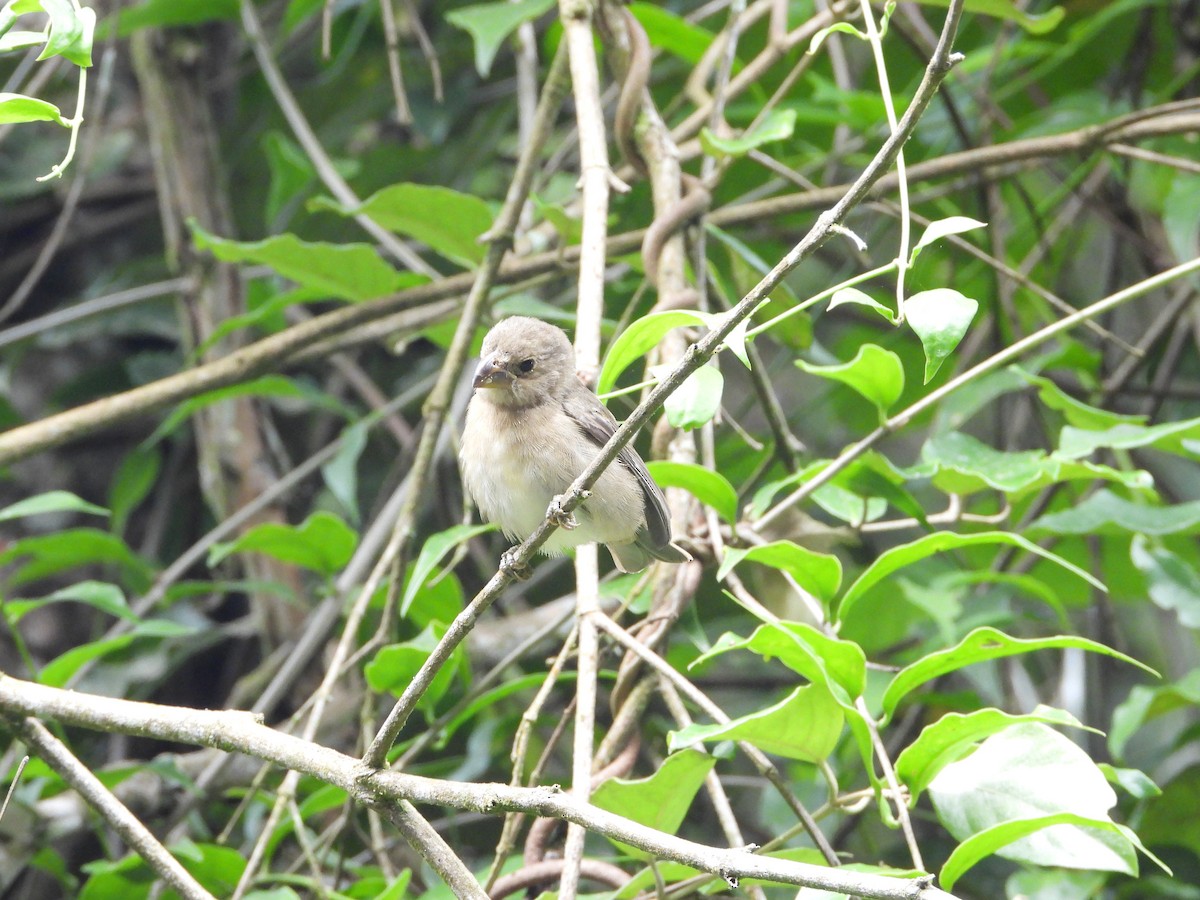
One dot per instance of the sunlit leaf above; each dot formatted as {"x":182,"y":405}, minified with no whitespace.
{"x":940,"y":317}
{"x":804,"y":725}
{"x":706,"y":485}
{"x":489,"y":24}
{"x":875,"y":373}
{"x":449,"y":221}
{"x":981,"y":645}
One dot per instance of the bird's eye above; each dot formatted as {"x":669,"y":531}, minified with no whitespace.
{"x":526,"y":366}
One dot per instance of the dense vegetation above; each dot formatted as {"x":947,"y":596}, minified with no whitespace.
{"x":928,"y":423}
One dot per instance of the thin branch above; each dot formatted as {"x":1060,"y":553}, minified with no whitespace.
{"x":56,"y":755}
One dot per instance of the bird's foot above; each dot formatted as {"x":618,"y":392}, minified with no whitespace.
{"x":512,"y":567}
{"x":559,"y":516}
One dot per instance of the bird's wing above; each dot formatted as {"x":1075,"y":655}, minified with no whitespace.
{"x":598,"y":424}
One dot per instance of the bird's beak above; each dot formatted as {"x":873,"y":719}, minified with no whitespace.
{"x":490,"y":375}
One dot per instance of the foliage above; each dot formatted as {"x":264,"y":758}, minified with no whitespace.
{"x":946,"y":573}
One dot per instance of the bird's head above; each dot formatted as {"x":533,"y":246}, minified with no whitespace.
{"x":524,"y":362}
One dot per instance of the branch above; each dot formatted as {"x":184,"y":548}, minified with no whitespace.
{"x":112,"y":810}
{"x":243,"y":733}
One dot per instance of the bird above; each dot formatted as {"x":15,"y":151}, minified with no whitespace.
{"x":532,"y":426}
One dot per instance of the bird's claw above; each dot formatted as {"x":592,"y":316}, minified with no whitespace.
{"x":510,"y":565}
{"x":560,"y":517}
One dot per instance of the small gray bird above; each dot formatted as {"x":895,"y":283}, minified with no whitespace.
{"x":532,"y":427}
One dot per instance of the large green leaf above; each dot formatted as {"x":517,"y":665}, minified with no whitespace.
{"x":108,"y":598}
{"x":660,"y":801}
{"x":638,"y":339}
{"x":804,"y":725}
{"x":696,"y":401}
{"x":818,"y":573}
{"x":344,"y":271}
{"x":963,"y":465}
{"x":46,"y":555}
{"x":1172,"y":437}
{"x":981,"y":645}
{"x":395,"y":665}
{"x":839,"y":666}
{"x":1030,"y":772}
{"x":322,"y":543}
{"x":1106,"y":513}
{"x":450,"y":222}
{"x":954,"y":735}
{"x":706,"y":485}
{"x":942,"y":542}
{"x":875,"y":373}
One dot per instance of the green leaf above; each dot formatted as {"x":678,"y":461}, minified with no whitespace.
{"x":341,"y":472}
{"x":638,"y":339}
{"x":1169,"y":437}
{"x":50,"y":502}
{"x":450,"y":222}
{"x":818,"y":573}
{"x":964,"y":465}
{"x":11,"y":41}
{"x":291,"y":171}
{"x":322,"y":543}
{"x":696,"y":401}
{"x":944,"y":228}
{"x":1146,"y":703}
{"x":489,"y":24}
{"x":706,"y":485}
{"x":840,"y":666}
{"x":108,"y":598}
{"x":18,"y":108}
{"x":1029,"y":772}
{"x":942,"y":542}
{"x":875,"y":373}
{"x":395,"y":665}
{"x":1105,"y":513}
{"x":660,"y":801}
{"x":1174,"y":585}
{"x":859,"y":298}
{"x":777,"y":125}
{"x":59,"y":671}
{"x":432,"y":553}
{"x":1077,"y":413}
{"x":1104,"y":854}
{"x":671,"y":33}
{"x":266,"y":386}
{"x":805,"y":725}
{"x":953,"y":735}
{"x":1134,"y":782}
{"x":1009,"y":10}
{"x":981,"y":645}
{"x":133,"y":481}
{"x":345,"y":271}
{"x":169,"y":13}
{"x":940,"y":318}
{"x":49,"y":554}
{"x":71,"y":32}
